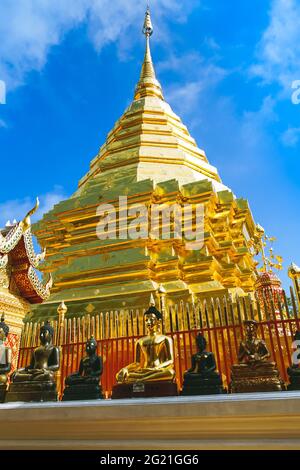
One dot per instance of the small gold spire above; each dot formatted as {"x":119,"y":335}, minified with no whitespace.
{"x":62,"y":309}
{"x":152,"y":301}
{"x":148,"y":84}
{"x":148,"y":28}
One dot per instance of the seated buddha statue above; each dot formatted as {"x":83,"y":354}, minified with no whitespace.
{"x":202,"y":378}
{"x":294,"y":370}
{"x":36,"y":382}
{"x":5,"y":358}
{"x":153,"y":365}
{"x":84,"y":384}
{"x":254,"y":373}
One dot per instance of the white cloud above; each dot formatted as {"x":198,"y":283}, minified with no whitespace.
{"x":278,"y":52}
{"x":185,"y":64}
{"x":236,"y":141}
{"x":291,"y":137}
{"x":29,"y":28}
{"x":3,"y":124}
{"x":197,"y":77}
{"x":17,"y":208}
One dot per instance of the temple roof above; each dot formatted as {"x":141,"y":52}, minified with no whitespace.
{"x":149,"y":134}
{"x":17,"y":252}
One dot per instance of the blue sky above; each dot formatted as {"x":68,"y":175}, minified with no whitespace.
{"x":226,"y":67}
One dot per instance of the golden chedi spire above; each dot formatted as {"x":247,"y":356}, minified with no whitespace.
{"x":149,"y":134}
{"x":148,"y":85}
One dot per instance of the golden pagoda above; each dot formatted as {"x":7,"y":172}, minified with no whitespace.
{"x":149,"y":157}
{"x":20,"y":285}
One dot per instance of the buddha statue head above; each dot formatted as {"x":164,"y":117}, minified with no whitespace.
{"x":201,"y":343}
{"x":91,"y":346}
{"x":46,"y":333}
{"x":4,"y":329}
{"x":251,"y":327}
{"x":153,"y":318}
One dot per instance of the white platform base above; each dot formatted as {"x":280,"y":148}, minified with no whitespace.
{"x":244,"y":421}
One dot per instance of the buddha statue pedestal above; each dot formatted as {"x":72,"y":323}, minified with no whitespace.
{"x":202,"y":378}
{"x":254,"y":373}
{"x":152,"y":374}
{"x":255,"y":379}
{"x":294,"y":370}
{"x":28,"y":391}
{"x":84,"y":384}
{"x":294,"y":376}
{"x":2,"y":392}
{"x":144,"y":390}
{"x":36,"y":382}
{"x":92,"y":391}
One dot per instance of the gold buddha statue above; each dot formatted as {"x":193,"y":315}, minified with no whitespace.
{"x":5,"y":358}
{"x":254,"y":373}
{"x":36,"y":382}
{"x":153,"y":365}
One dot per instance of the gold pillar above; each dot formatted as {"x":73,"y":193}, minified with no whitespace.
{"x":61,"y":310}
{"x":294,"y":274}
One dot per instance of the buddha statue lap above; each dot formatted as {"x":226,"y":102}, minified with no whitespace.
{"x":84,"y":384}
{"x":36,"y":382}
{"x":202,"y":378}
{"x":294,"y":370}
{"x":254,"y":373}
{"x":152,"y":373}
{"x":5,"y":359}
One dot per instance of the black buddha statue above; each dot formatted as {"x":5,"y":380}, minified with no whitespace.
{"x":36,"y":382}
{"x":254,"y":372}
{"x":5,"y":359}
{"x":294,"y":370}
{"x":84,"y":384}
{"x":202,"y":378}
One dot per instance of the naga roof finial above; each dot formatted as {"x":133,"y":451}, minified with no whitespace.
{"x":26,"y":221}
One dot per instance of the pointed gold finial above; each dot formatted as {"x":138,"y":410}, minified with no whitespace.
{"x":62,"y":309}
{"x":152,"y":301}
{"x":148,"y":28}
{"x":148,"y":84}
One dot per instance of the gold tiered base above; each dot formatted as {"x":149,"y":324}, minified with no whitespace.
{"x":263,"y":378}
{"x":32,"y":392}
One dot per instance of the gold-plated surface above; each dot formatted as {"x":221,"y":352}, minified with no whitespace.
{"x":150,"y":157}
